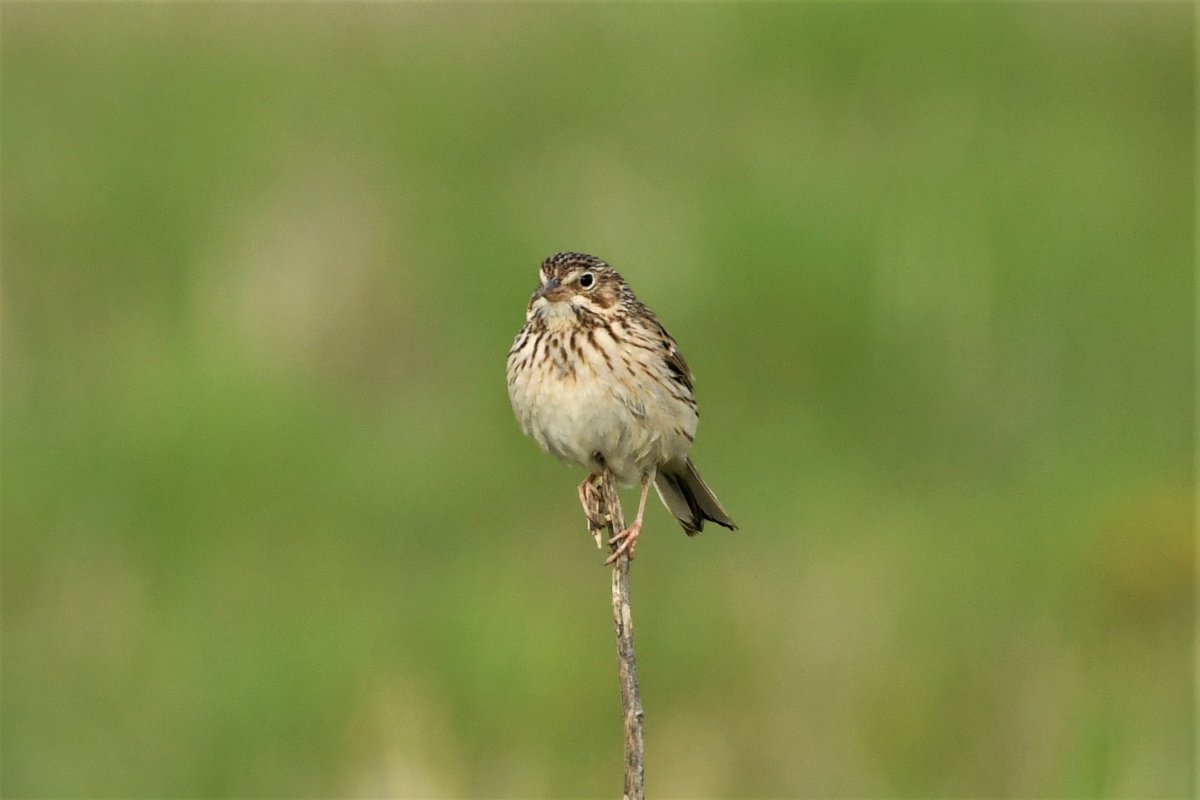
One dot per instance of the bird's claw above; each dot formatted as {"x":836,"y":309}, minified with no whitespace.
{"x":625,"y":541}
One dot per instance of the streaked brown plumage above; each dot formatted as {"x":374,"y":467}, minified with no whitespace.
{"x":596,"y":380}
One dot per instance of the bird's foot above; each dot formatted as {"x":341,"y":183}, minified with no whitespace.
{"x":625,"y":541}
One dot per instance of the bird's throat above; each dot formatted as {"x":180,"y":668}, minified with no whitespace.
{"x":558,"y":316}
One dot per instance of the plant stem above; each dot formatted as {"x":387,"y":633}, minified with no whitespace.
{"x":608,"y":510}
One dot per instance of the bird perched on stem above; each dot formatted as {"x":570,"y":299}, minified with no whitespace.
{"x":596,"y":380}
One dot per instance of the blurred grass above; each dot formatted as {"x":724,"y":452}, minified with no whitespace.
{"x":270,"y":530}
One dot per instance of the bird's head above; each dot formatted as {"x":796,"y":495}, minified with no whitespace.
{"x":575,"y":286}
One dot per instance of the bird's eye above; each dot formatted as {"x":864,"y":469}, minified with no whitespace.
{"x":586,"y":280}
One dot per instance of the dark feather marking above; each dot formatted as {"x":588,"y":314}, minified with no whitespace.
{"x":566,"y":367}
{"x":679,"y":371}
{"x":687,"y":399}
{"x":520,"y":342}
{"x":649,"y":348}
{"x":692,"y":526}
{"x":600,"y":348}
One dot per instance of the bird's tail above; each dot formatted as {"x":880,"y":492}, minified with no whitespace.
{"x":687,"y":496}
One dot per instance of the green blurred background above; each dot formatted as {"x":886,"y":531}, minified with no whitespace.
{"x":270,"y":530}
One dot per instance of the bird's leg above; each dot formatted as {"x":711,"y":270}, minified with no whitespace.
{"x":626,"y":540}
{"x":587,"y":499}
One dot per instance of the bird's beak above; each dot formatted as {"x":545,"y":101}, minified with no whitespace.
{"x":552,"y":290}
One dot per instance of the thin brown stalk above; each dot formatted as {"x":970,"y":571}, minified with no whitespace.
{"x":605,"y":515}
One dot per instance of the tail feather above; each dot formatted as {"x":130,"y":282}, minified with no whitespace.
{"x":687,"y":496}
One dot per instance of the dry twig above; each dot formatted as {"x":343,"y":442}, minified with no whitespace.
{"x":604,"y":512}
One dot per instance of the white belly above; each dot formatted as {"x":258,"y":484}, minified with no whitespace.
{"x":621,"y":415}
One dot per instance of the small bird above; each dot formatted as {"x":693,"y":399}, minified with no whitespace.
{"x":596,"y":380}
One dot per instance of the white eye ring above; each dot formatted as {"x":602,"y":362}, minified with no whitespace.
{"x":587,"y":280}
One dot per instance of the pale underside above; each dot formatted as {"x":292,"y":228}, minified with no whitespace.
{"x":576,"y":404}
